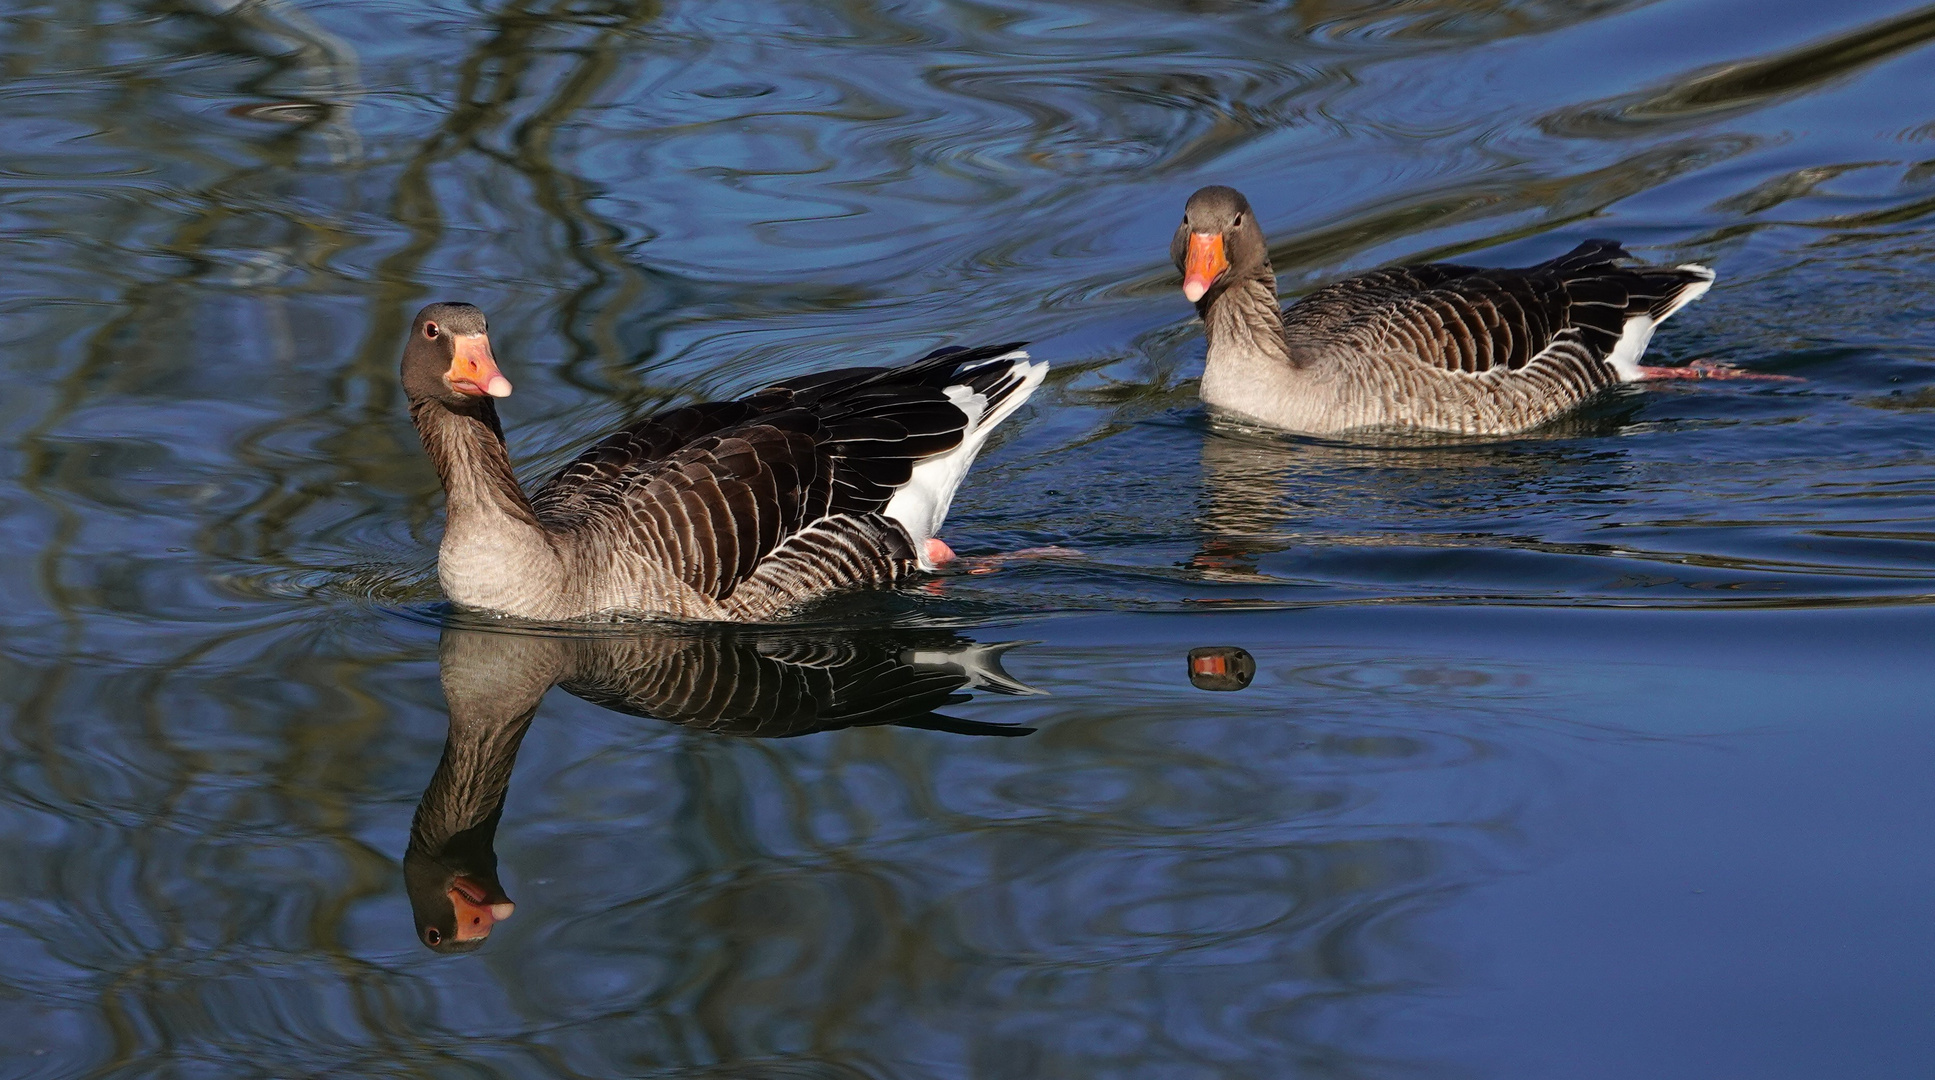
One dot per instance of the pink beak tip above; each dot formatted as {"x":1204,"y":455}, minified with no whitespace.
{"x":499,"y":386}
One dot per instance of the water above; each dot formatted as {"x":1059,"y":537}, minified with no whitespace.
{"x":1601,"y":752}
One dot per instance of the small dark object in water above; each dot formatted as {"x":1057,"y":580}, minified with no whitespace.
{"x":282,"y":112}
{"x":1221,"y":667}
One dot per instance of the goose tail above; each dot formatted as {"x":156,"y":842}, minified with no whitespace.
{"x":1596,"y":273}
{"x":978,"y":663}
{"x":986,"y":388}
{"x":1664,"y":290}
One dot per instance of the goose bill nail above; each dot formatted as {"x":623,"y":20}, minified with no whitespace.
{"x":1206,"y":263}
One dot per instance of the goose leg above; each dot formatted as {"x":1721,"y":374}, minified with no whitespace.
{"x":1708,"y":369}
{"x":941,"y":556}
{"x":988,"y":564}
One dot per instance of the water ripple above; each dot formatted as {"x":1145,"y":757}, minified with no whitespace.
{"x":217,"y":603}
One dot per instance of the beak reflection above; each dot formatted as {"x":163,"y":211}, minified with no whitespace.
{"x":1221,"y":667}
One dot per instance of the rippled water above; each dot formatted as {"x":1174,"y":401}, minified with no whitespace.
{"x":1601,"y":752}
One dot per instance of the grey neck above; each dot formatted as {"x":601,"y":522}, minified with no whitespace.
{"x":493,"y":684}
{"x":495,"y":555}
{"x":1245,"y":320}
{"x":470,"y":782}
{"x":468,"y":451}
{"x":1249,"y":368}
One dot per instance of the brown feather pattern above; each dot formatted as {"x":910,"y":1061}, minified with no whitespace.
{"x":1472,"y":320}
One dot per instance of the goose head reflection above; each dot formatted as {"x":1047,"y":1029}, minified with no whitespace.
{"x":1221,"y":667}
{"x":735,"y":681}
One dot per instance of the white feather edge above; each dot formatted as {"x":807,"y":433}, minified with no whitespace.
{"x":921,"y":504}
{"x":1638,"y":332}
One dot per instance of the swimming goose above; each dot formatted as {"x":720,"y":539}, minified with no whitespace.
{"x":728,"y":680}
{"x":1434,"y":347}
{"x":726,"y":510}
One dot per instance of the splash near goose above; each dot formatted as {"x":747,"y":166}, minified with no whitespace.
{"x":1435,"y":347}
{"x":732,"y":511}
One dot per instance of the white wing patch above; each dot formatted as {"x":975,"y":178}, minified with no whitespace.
{"x":1694,"y":291}
{"x":979,"y":663}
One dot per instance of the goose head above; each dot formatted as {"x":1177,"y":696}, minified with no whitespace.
{"x":448,"y":357}
{"x":1218,"y":242}
{"x":455,"y":895}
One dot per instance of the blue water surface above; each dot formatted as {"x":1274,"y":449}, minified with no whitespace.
{"x":1600,"y":752}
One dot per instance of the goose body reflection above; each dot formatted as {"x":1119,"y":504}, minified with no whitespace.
{"x":724,"y":680}
{"x":1373,"y":516}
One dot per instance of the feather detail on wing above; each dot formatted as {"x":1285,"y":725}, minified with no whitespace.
{"x":1474,"y":321}
{"x":783,"y":492}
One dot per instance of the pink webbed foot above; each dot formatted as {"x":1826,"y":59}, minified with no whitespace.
{"x":1708,"y":369}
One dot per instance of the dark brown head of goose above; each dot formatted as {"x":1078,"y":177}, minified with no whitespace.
{"x":1218,"y":242}
{"x":448,"y":357}
{"x":456,"y":911}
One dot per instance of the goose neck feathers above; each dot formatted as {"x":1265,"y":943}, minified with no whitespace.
{"x":495,"y":554}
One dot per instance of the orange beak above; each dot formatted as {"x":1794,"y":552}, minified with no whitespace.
{"x":474,"y":371}
{"x":1206,"y":263}
{"x":474,"y":916}
{"x":1209,"y":665}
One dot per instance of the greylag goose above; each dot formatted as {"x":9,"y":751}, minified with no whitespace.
{"x":1434,"y":347}
{"x":727,"y":510}
{"x":727,"y":680}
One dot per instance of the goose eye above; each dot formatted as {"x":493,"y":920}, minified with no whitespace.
{"x":432,"y":936}
{"x":430,"y":330}
{"x":1238,"y":223}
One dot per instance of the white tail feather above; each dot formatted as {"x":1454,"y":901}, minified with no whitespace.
{"x":1631,"y":346}
{"x":1693,"y":291}
{"x":921,"y":504}
{"x":1638,"y":332}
